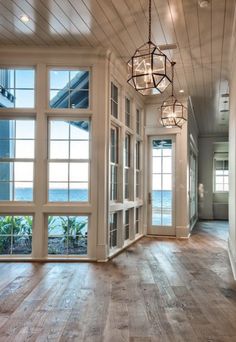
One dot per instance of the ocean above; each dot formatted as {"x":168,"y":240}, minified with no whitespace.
{"x":55,"y":195}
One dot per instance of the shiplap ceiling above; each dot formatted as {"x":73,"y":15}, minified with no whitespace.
{"x":202,"y":36}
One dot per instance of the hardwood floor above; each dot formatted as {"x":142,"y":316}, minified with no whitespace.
{"x":158,"y":290}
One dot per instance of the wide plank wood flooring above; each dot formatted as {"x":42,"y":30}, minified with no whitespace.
{"x":158,"y":290}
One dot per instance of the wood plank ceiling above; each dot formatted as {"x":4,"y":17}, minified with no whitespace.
{"x":202,"y":36}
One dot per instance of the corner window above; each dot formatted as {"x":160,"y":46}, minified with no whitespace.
{"x":69,"y":89}
{"x":16,"y":160}
{"x":69,"y":161}
{"x":17,"y":88}
{"x":221,"y":176}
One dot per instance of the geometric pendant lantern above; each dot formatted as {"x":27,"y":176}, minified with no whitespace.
{"x":173,"y":113}
{"x":149,"y":69}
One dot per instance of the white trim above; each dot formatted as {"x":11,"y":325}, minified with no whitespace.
{"x":182,"y":232}
{"x":232,"y":259}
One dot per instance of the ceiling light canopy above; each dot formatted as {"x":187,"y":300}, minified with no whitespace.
{"x":24,"y":18}
{"x":173,"y":113}
{"x":149,"y":68}
{"x":203,"y":3}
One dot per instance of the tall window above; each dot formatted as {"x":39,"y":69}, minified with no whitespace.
{"x":16,"y":235}
{"x":137,"y":220}
{"x":17,"y":88}
{"x":114,"y":163}
{"x":138,"y":169}
{"x":113,"y":230}
{"x":67,"y":235}
{"x":127,"y":164}
{"x":16,"y":160}
{"x":221,"y":175}
{"x":69,"y":88}
{"x":114,"y":100}
{"x":69,"y":161}
{"x":138,"y":121}
{"x":127,"y":224}
{"x":127,"y":112}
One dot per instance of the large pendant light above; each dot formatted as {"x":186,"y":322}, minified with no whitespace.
{"x":173,"y":113}
{"x":149,"y":69}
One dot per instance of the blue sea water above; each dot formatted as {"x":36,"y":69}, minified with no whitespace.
{"x":55,"y":195}
{"x":161,"y":208}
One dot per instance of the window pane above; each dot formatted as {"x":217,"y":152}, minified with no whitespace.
{"x":156,"y":167}
{"x":23,"y":171}
{"x":24,"y":149}
{"x":59,"y":149}
{"x":156,"y":181}
{"x":7,"y":148}
{"x":59,"y":130}
{"x":23,"y":191}
{"x":25,"y":79}
{"x":79,"y":130}
{"x":226,"y":187}
{"x":58,"y":192}
{"x":78,"y":192}
{"x":219,"y":187}
{"x":79,"y":79}
{"x":79,"y":172}
{"x":24,"y":98}
{"x":58,"y":172}
{"x":79,"y":150}
{"x":167,"y":165}
{"x":25,"y":129}
{"x":167,"y":182}
{"x":79,"y":99}
{"x":219,"y":179}
{"x":59,"y":79}
{"x":6,"y":172}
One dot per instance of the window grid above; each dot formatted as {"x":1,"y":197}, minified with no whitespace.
{"x":127,"y":112}
{"x":65,"y":96}
{"x":114,"y":100}
{"x":127,"y":164}
{"x":16,"y":235}
{"x":10,"y":164}
{"x":138,"y":171}
{"x":138,"y":121}
{"x":15,"y":95}
{"x":114,"y":159}
{"x":113,"y":231}
{"x":69,"y":162}
{"x":137,"y":220}
{"x":127,"y":225}
{"x":221,"y":176}
{"x":67,"y":235}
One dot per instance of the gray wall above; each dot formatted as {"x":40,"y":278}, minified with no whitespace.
{"x":207,"y":199}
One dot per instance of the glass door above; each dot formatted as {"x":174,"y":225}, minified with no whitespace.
{"x":161,"y":190}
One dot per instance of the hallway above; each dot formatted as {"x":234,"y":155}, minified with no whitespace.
{"x":157,"y":290}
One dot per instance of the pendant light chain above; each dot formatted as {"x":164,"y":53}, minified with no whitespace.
{"x":150,"y":21}
{"x":173,"y":69}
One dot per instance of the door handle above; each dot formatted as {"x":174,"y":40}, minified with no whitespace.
{"x":149,"y":198}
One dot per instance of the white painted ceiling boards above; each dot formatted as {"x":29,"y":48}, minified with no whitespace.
{"x":202,"y":36}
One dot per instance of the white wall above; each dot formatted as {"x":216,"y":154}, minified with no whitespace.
{"x":207,"y":147}
{"x":232,"y":167}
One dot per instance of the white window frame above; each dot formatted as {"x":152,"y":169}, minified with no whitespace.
{"x":224,"y":176}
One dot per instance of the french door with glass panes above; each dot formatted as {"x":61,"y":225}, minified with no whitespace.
{"x":161,"y":195}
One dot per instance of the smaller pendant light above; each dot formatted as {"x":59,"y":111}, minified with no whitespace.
{"x":149,"y":69}
{"x":173,"y":113}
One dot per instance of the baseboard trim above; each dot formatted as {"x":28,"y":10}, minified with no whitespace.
{"x":182,"y":232}
{"x":118,"y":251}
{"x":232,"y":259}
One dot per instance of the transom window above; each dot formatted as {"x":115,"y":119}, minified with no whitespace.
{"x":16,"y":234}
{"x":221,"y":176}
{"x":17,"y":88}
{"x":16,"y":159}
{"x":69,"y":155}
{"x":114,"y":100}
{"x":69,"y":88}
{"x":67,"y":235}
{"x":113,"y":230}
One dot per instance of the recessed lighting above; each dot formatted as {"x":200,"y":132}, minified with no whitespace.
{"x":24,"y":18}
{"x":181,"y":91}
{"x":203,"y":3}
